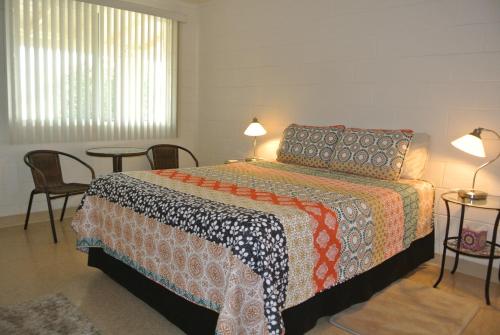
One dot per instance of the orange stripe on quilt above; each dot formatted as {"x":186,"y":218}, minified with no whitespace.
{"x":325,"y":230}
{"x":386,"y":204}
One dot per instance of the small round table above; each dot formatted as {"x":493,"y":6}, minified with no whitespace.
{"x":491,"y":251}
{"x":117,"y":153}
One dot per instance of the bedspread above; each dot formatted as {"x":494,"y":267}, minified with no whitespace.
{"x":249,"y":240}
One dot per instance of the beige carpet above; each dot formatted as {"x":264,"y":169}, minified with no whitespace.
{"x":408,"y":308}
{"x":53,"y":314}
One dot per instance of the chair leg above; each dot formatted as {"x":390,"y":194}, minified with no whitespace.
{"x":51,"y":214}
{"x":64,"y":207}
{"x":29,"y":210}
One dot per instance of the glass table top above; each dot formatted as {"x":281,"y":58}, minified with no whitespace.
{"x":116,"y":151}
{"x":491,"y":202}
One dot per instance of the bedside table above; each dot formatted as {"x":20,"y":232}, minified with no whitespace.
{"x":491,"y":251}
{"x":231,"y":161}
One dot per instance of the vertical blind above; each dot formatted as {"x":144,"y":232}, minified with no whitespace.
{"x":79,"y":71}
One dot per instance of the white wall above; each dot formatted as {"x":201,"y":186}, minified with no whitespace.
{"x":432,"y":66}
{"x":15,"y":178}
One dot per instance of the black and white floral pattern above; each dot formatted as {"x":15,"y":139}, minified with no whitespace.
{"x":255,"y":237}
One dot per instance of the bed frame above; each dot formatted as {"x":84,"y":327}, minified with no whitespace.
{"x":194,"y":319}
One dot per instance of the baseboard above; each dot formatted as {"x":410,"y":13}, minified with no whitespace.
{"x":43,"y":216}
{"x":468,"y":267}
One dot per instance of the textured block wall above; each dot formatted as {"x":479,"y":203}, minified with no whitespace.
{"x":432,"y":66}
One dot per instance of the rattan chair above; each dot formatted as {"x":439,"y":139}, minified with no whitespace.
{"x":166,"y":156}
{"x":45,"y":167}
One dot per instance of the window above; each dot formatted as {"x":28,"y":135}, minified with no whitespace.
{"x":79,"y":71}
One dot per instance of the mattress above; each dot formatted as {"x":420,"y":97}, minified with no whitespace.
{"x":249,"y":240}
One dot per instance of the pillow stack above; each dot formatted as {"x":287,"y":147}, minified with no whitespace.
{"x":308,"y":145}
{"x":376,"y":153}
{"x":416,"y":157}
{"x":372,"y":152}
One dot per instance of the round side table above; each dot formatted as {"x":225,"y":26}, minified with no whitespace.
{"x":116,"y":153}
{"x":492,"y":249}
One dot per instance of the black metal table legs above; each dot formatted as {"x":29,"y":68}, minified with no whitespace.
{"x":457,"y":249}
{"x":490,"y":261}
{"x":457,"y":253}
{"x":443,"y":260}
{"x":117,"y":164}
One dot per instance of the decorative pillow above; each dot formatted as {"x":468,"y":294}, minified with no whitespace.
{"x":372,"y":152}
{"x":416,"y":157}
{"x":309,"y":145}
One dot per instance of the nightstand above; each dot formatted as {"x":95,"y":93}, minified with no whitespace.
{"x":232,"y":161}
{"x":492,"y":249}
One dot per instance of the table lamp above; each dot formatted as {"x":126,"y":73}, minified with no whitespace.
{"x":254,"y":129}
{"x":473,"y":145}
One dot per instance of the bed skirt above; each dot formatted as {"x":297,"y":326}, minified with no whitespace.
{"x":194,"y":319}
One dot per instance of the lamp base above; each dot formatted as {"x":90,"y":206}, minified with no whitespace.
{"x":252,"y":159}
{"x":472,"y":194}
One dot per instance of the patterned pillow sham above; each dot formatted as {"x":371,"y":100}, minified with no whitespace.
{"x":309,"y":145}
{"x":374,"y":153}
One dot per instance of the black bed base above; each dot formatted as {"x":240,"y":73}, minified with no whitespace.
{"x":194,"y":319}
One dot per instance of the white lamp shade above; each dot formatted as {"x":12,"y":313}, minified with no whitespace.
{"x":470,"y":144}
{"x":255,"y":129}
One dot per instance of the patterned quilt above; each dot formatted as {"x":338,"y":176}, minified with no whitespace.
{"x":249,"y":240}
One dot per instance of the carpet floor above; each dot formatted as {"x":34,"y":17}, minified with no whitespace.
{"x":49,"y":315}
{"x":32,"y":267}
{"x":407,"y":307}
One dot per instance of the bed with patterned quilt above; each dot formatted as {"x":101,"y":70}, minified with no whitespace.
{"x":250,"y":241}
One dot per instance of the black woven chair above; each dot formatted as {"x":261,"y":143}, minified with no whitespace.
{"x":166,"y":156}
{"x":45,"y":167}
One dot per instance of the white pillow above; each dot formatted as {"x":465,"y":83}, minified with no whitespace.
{"x":416,"y":157}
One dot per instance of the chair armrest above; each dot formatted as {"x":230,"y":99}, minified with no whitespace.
{"x":81,"y":162}
{"x":38,"y":171}
{"x":174,"y":146}
{"x":151,"y":163}
{"x":192,"y":155}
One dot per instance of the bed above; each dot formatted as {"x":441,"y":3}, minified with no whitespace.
{"x":254,"y":247}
